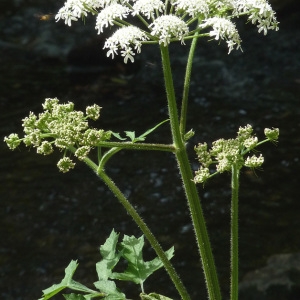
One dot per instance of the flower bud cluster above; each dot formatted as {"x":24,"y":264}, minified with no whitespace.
{"x":62,"y":127}
{"x":226,"y":153}
{"x":167,"y":21}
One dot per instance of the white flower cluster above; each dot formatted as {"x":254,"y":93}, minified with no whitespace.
{"x":124,"y":38}
{"x":109,"y":14}
{"x":193,"y":7}
{"x":223,"y":29}
{"x":226,"y":153}
{"x":167,"y":21}
{"x":167,"y":27}
{"x":260,"y":12}
{"x":148,"y":7}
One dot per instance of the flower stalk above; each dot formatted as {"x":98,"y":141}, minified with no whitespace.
{"x":234,"y":243}
{"x":141,"y":224}
{"x":147,"y":232}
{"x":186,"y":85}
{"x":192,"y":196}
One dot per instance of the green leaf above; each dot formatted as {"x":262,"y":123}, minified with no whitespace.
{"x":109,"y":288}
{"x":143,"y":136}
{"x":117,"y":135}
{"x":74,"y":297}
{"x":153,"y":296}
{"x":109,"y":255}
{"x":67,"y":282}
{"x":138,"y":270}
{"x":131,"y":135}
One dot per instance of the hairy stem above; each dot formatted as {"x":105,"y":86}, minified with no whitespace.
{"x":234,"y":253}
{"x":189,"y":186}
{"x":148,"y":234}
{"x":142,"y":225}
{"x":186,"y":86}
{"x":137,"y":146}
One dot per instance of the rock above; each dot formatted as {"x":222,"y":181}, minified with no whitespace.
{"x":279,"y":279}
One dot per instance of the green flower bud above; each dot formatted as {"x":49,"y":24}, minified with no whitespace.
{"x":201,"y":175}
{"x":254,"y":161}
{"x":188,"y":135}
{"x":93,"y":112}
{"x":82,"y":152}
{"x":251,"y":142}
{"x":12,"y":141}
{"x":45,"y":148}
{"x":272,"y":134}
{"x":65,"y":164}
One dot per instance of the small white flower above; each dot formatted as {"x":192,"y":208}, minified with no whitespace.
{"x":109,"y":14}
{"x":168,"y":27}
{"x":127,"y":53}
{"x":193,"y":7}
{"x":148,"y":7}
{"x":223,"y":29}
{"x":66,"y":15}
{"x":127,"y":39}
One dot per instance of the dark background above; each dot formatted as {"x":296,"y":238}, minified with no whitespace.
{"x":48,"y":218}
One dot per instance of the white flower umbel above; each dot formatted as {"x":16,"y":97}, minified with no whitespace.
{"x":223,"y":29}
{"x":260,"y":12}
{"x":168,"y":27}
{"x":73,"y":10}
{"x":126,"y":39}
{"x":193,"y":7}
{"x":109,"y":14}
{"x":171,"y":20}
{"x":147,"y":8}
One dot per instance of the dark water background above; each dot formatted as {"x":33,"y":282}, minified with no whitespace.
{"x":48,"y":218}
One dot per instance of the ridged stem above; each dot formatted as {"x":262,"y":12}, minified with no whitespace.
{"x":148,"y":234}
{"x":186,"y":86}
{"x":234,"y":247}
{"x":189,"y":186}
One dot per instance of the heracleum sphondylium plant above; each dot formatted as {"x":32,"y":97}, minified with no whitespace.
{"x":61,"y":126}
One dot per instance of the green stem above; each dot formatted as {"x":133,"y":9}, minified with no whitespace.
{"x":148,"y":234}
{"x":137,"y":146}
{"x":142,"y":225}
{"x":186,"y":86}
{"x":234,"y":234}
{"x":108,"y":154}
{"x":189,"y":186}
